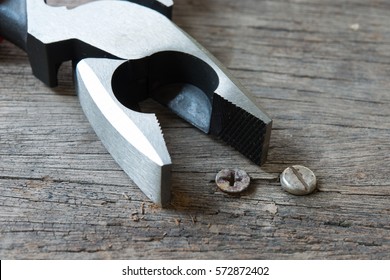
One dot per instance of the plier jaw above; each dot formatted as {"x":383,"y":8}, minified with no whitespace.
{"x":134,"y":52}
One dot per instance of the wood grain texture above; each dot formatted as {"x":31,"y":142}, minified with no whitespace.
{"x":320,"y":68}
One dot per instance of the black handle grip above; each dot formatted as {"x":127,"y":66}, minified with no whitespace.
{"x":13,"y":22}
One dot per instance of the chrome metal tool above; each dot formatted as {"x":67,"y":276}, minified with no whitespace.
{"x":125,"y":52}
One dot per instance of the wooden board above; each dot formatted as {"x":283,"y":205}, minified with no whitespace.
{"x":320,"y":68}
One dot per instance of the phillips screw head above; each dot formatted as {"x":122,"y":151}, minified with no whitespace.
{"x":232,"y":180}
{"x":298,"y":180}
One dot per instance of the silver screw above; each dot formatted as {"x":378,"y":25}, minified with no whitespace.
{"x":232,"y":180}
{"x":298,"y":180}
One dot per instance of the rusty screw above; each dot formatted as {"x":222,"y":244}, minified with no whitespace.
{"x":298,"y":180}
{"x":232,"y":180}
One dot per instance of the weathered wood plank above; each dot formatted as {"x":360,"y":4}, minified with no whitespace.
{"x":323,"y":79}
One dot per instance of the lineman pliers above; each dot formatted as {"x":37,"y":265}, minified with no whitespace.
{"x":124,"y":52}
